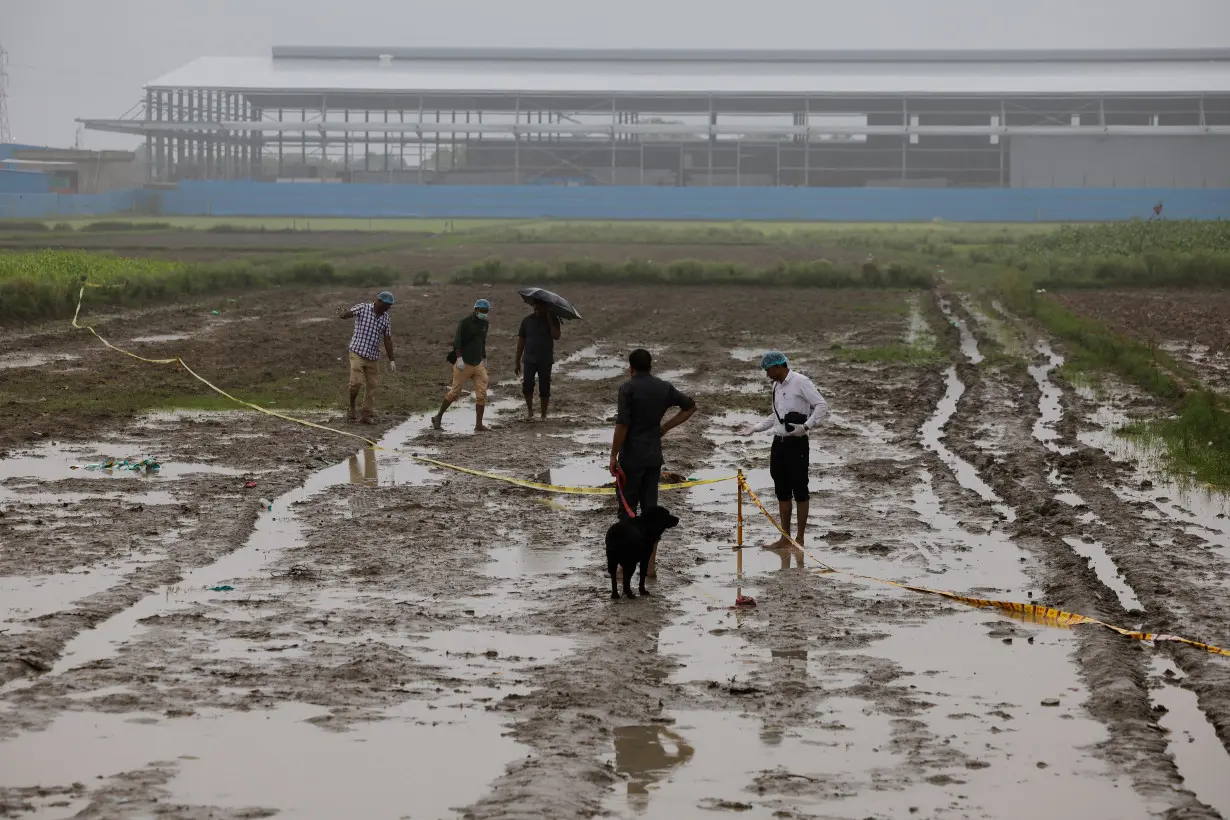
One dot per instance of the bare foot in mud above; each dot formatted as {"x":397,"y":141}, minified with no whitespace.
{"x":351,"y":415}
{"x":779,"y":544}
{"x":437,"y":423}
{"x":482,"y":428}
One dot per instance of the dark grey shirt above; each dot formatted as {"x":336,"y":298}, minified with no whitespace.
{"x":539,"y":346}
{"x":643,"y":401}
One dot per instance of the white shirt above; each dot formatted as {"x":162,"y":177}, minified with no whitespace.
{"x":795,"y":394}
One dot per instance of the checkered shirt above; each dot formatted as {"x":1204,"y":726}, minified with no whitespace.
{"x":369,"y":330}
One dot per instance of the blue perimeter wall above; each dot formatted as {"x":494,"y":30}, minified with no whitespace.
{"x":51,"y":206}
{"x":241,"y":198}
{"x":24,"y":182}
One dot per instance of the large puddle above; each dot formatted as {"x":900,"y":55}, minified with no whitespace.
{"x":988,"y":745}
{"x":416,"y":760}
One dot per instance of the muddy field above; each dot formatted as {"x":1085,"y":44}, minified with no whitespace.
{"x":359,"y":635}
{"x":1192,"y":326}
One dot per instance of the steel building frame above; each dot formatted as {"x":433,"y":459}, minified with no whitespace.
{"x":595,"y":136}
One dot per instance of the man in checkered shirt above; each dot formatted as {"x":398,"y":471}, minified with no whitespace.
{"x":371,"y":327}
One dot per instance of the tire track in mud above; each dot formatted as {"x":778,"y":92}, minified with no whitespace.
{"x":190,"y":534}
{"x":1033,"y":468}
{"x":272,"y":532}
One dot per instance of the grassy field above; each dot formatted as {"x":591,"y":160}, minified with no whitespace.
{"x":203,"y":223}
{"x":543,"y":227}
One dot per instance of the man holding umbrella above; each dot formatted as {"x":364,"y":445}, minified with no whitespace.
{"x":536,"y":344}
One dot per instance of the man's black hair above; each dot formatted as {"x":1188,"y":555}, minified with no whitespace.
{"x":641,"y":361}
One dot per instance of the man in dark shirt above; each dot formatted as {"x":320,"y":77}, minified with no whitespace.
{"x":637,"y":445}
{"x":536,"y":352}
{"x":470,"y":351}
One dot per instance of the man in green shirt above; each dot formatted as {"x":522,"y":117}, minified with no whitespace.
{"x":470,"y":351}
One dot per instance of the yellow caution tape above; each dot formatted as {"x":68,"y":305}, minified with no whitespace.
{"x":1030,"y":612}
{"x":555,"y":488}
{"x":181,"y":363}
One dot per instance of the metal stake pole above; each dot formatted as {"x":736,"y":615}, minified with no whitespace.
{"x":739,"y":540}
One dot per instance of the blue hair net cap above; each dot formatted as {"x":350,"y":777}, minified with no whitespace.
{"x":482,"y":304}
{"x":386,"y":297}
{"x":772,"y":359}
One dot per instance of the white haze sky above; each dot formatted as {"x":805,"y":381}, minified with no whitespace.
{"x":91,"y":58}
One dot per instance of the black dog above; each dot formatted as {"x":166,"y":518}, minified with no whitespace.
{"x":631,"y":542}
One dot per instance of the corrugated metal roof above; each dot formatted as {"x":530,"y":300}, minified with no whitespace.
{"x":606,"y":55}
{"x":482,"y":74}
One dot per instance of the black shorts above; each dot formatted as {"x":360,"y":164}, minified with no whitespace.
{"x":788,"y":464}
{"x":640,"y":489}
{"x":531,"y":369}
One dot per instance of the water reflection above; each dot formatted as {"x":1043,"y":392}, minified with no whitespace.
{"x":647,"y":754}
{"x":369,"y":475}
{"x":786,"y":553}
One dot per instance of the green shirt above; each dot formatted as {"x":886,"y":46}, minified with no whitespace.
{"x":471,"y":340}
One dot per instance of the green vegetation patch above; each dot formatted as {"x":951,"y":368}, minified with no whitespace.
{"x":821,"y":274}
{"x":42,"y":285}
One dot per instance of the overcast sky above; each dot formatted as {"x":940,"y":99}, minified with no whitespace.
{"x":91,"y":58}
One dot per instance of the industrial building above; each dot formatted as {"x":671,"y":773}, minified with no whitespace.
{"x":966,"y":119}
{"x":30,"y":169}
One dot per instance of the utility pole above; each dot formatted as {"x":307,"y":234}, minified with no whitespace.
{"x":5,"y":134}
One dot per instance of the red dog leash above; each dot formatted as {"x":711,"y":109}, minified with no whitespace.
{"x":619,"y":491}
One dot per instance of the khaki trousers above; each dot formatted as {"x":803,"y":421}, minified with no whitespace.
{"x":365,"y":373}
{"x":476,"y":373}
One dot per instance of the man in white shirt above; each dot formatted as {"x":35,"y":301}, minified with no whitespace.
{"x":798,"y":407}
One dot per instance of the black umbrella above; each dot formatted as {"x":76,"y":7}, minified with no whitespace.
{"x":560,"y":306}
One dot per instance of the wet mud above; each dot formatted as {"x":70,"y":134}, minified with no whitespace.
{"x":361,"y":634}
